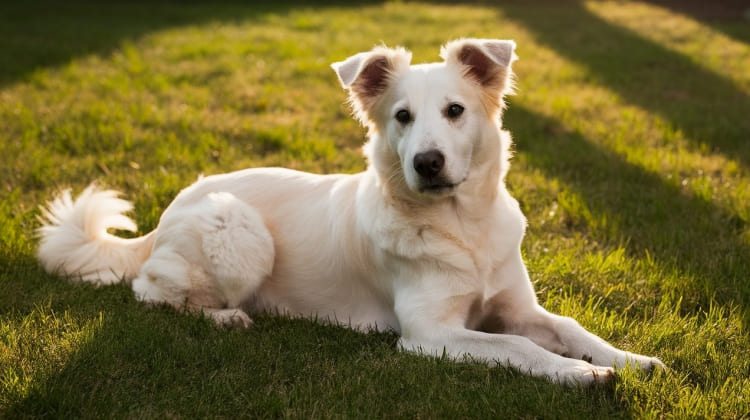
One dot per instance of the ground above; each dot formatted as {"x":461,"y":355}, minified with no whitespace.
{"x":632,"y":163}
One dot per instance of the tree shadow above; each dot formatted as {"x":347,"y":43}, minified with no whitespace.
{"x":653,"y":218}
{"x":727,"y":16}
{"x":40,"y":34}
{"x":710,"y":110}
{"x":150,"y":362}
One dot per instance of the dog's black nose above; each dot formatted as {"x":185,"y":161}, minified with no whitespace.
{"x":430,"y":163}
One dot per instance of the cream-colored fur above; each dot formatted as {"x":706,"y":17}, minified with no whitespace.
{"x":434,"y":256}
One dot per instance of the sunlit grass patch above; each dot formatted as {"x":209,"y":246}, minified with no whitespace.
{"x":36,"y":346}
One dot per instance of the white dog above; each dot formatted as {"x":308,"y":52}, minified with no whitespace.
{"x":425,"y":242}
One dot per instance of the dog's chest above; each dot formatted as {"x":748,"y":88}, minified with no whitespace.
{"x":471,"y":248}
{"x":492,"y":241}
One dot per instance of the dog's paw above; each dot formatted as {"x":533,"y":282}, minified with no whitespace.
{"x":652,"y":363}
{"x":645,"y":363}
{"x":231,"y":318}
{"x":584,"y":374}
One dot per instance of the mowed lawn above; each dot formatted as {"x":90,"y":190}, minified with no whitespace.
{"x":632,"y":164}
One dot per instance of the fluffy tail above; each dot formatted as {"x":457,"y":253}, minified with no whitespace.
{"x":74,"y":238}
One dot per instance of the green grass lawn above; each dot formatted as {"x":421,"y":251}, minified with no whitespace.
{"x":632,"y":130}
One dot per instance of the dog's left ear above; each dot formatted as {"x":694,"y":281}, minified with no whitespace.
{"x":486,"y":62}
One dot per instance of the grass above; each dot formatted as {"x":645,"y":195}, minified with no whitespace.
{"x":632,"y":164}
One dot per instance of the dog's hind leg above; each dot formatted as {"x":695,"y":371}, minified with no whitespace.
{"x":209,"y":257}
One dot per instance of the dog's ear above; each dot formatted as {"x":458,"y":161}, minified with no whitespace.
{"x":486,"y":62}
{"x":367,"y":76}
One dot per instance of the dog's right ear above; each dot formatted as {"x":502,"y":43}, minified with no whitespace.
{"x":368,"y":75}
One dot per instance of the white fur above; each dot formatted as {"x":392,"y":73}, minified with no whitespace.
{"x":74,"y":238}
{"x":370,"y":250}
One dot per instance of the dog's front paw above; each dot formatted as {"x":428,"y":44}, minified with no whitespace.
{"x":645,"y":363}
{"x":231,"y":318}
{"x":652,"y":364}
{"x":583,"y":373}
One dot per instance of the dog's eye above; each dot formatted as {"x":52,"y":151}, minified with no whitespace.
{"x":454,"y":111}
{"x":403,"y":116}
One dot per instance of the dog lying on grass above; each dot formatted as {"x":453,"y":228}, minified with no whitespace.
{"x":425,"y":242}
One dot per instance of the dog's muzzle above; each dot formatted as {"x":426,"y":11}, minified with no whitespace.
{"x":429,"y":165}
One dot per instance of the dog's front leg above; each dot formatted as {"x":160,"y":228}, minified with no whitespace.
{"x":518,"y":308}
{"x":580,"y":343}
{"x":432,"y":327}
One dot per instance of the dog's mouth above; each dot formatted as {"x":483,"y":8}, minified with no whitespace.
{"x":438,"y":186}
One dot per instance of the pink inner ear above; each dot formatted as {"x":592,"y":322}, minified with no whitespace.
{"x":480,"y":67}
{"x":373,"y":79}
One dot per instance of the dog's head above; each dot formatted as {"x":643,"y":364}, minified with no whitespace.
{"x":430,"y":124}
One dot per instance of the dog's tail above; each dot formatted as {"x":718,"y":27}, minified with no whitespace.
{"x":74,"y":240}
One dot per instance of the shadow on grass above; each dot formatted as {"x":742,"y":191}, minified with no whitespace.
{"x":676,"y":228}
{"x":146,"y":362}
{"x":709,"y":109}
{"x":40,"y":34}
{"x":730,"y":17}
{"x":151,"y":362}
